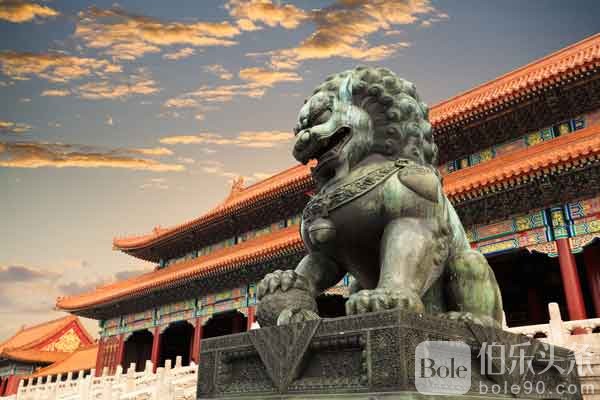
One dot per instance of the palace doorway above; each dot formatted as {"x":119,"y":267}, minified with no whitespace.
{"x":177,"y":340}
{"x":528,"y":282}
{"x":138,"y":349}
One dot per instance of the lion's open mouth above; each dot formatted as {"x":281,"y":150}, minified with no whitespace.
{"x":332,"y":146}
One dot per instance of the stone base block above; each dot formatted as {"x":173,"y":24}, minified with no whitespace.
{"x":372,"y":357}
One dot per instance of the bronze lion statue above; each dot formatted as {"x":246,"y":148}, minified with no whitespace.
{"x":380,"y":213}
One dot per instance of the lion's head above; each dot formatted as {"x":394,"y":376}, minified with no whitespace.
{"x":361,"y":112}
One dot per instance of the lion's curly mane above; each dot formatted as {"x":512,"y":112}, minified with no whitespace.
{"x":395,"y":109}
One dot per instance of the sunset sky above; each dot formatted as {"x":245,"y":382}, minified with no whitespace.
{"x":117,"y":117}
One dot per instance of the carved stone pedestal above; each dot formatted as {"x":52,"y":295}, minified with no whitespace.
{"x":371,"y":357}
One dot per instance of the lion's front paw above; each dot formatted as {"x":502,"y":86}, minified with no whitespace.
{"x":383,"y":299}
{"x":293,"y":315}
{"x":484,"y":320}
{"x":281,"y":281}
{"x":280,"y":291}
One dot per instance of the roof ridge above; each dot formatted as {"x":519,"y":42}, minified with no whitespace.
{"x":516,"y":70}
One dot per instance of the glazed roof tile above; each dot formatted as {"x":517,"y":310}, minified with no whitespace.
{"x":579,"y":57}
{"x":558,"y":151}
{"x":260,"y":249}
{"x":27,"y":338}
{"x":80,"y":360}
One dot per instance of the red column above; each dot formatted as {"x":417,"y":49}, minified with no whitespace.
{"x":251,"y":312}
{"x":591,"y":257}
{"x":155,"y":358}
{"x":100,"y":357}
{"x":120,"y":359}
{"x":2,"y":386}
{"x":570,"y":278}
{"x":12,"y":386}
{"x":195,"y":356}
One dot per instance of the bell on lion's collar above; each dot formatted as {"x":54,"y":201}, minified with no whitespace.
{"x":321,"y":231}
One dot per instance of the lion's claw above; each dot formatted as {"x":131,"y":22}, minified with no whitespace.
{"x":281,"y":280}
{"x":383,"y":299}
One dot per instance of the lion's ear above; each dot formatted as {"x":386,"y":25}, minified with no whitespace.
{"x":421,"y":180}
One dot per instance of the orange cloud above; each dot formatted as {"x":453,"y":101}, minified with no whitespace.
{"x":342,"y":30}
{"x":13,"y":127}
{"x":127,"y":36}
{"x":57,"y":155}
{"x":249,"y":139}
{"x":136,"y":84}
{"x":181,"y":103}
{"x":55,"y":67}
{"x":249,"y":11}
{"x":179,"y":54}
{"x":19,"y":11}
{"x":56,"y":92}
{"x":155,"y":151}
{"x":265,"y":77}
{"x":219,"y":71}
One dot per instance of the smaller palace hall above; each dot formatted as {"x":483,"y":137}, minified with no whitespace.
{"x":520,"y":160}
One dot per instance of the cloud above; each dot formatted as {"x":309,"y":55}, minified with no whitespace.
{"x":59,"y":155}
{"x":265,"y":77}
{"x":250,"y":139}
{"x":54,"y":67}
{"x":56,"y":92}
{"x":135,"y":84}
{"x":19,"y":273}
{"x":181,"y":103}
{"x":264,"y":11}
{"x":206,"y":95}
{"x":219,"y":71}
{"x":155,"y":151}
{"x":13,"y":127}
{"x":343,"y":28}
{"x":179,"y":54}
{"x":126,"y":36}
{"x":19,"y":11}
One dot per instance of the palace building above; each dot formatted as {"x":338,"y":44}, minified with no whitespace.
{"x":520,"y":160}
{"x":43,"y":347}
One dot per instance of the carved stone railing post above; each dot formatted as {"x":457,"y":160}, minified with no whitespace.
{"x":130,"y":382}
{"x":557,"y":329}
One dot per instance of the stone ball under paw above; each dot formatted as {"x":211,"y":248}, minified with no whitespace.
{"x":273,"y":304}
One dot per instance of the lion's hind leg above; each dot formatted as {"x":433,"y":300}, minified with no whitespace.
{"x":472,"y":291}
